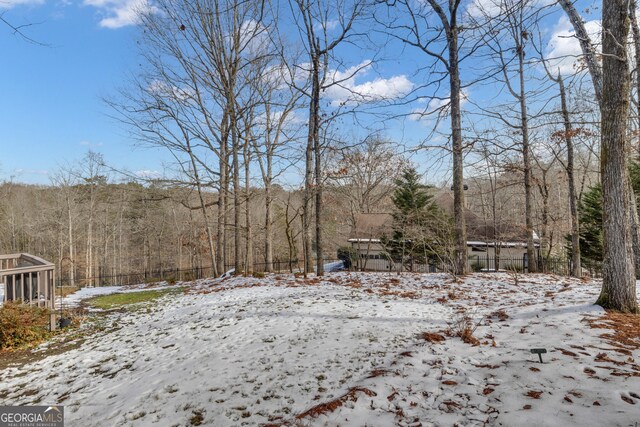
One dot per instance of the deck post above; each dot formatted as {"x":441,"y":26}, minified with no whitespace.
{"x":52,"y":322}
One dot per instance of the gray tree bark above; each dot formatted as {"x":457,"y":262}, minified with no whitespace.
{"x":312,"y":137}
{"x":451,"y":30}
{"x":576,"y":270}
{"x":532,"y":256}
{"x":619,"y":284}
{"x":589,"y":51}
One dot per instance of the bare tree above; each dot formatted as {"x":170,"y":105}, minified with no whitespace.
{"x":568,"y":135}
{"x":434,"y":28}
{"x":612,"y":85}
{"x":619,"y":284}
{"x":191,"y":98}
{"x":363,"y":175}
{"x":66,"y":181}
{"x":313,"y":19}
{"x":277,"y":100}
{"x":510,"y":41}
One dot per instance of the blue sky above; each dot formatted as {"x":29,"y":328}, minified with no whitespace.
{"x":51,"y":106}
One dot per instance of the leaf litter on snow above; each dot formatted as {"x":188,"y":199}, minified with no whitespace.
{"x":351,"y":349}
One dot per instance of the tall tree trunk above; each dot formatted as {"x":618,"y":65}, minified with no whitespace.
{"x":248,"y":264}
{"x":314,"y":109}
{"x":619,"y":285}
{"x":457,"y":153}
{"x":221,"y":237}
{"x":223,"y":203}
{"x":72,"y":261}
{"x":237,"y":206}
{"x":89,"y":253}
{"x":635,"y":30}
{"x":635,"y":221}
{"x":268,"y":229}
{"x":318,"y":190}
{"x":576,"y":270}
{"x":545,"y":240}
{"x":588,"y":50}
{"x":203,"y":208}
{"x":532,"y":256}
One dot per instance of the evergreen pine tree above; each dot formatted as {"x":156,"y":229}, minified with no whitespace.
{"x":417,"y":222}
{"x":590,"y":211}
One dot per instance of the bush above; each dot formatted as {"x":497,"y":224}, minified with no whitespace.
{"x":514,"y":267}
{"x":463,"y":326}
{"x":348,"y":255}
{"x":477,"y":266}
{"x":22,"y":325}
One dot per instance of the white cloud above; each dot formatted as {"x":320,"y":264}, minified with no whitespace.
{"x":9,"y":4}
{"x":120,"y":13}
{"x":484,"y":8}
{"x":262,"y":120}
{"x":91,"y":144}
{"x":279,"y":76}
{"x":489,"y":9}
{"x":436,"y":106}
{"x":147,"y":174}
{"x":164,"y":90}
{"x":21,"y":172}
{"x":328,"y":25}
{"x":332,"y":24}
{"x":346,"y":90}
{"x":564,"y":51}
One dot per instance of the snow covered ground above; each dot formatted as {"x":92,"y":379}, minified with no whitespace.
{"x":350,"y":349}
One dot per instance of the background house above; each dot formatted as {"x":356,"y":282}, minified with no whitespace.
{"x":488,"y":246}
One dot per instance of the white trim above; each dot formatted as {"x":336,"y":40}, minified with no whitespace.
{"x":501,"y":244}
{"x":469,"y":243}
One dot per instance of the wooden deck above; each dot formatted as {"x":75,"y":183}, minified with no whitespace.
{"x":27,"y":279}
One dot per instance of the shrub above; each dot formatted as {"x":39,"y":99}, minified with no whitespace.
{"x":514,"y":267}
{"x":348,"y":255}
{"x":463,"y":326}
{"x":477,"y":266}
{"x":22,"y":325}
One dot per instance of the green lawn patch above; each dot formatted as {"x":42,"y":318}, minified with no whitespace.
{"x":119,"y":300}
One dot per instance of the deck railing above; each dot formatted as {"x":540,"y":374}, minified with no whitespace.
{"x":28,"y":279}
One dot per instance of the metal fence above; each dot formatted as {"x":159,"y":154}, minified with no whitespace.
{"x":558,"y":266}
{"x":475,"y":263}
{"x":479,"y":263}
{"x":176,"y":274}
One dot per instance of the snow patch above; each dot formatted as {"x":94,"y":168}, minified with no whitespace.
{"x":249,"y":351}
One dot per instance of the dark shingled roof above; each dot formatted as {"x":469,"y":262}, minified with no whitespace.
{"x":376,"y":225}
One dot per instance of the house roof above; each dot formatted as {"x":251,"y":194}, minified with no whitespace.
{"x":372,"y":225}
{"x":376,"y":225}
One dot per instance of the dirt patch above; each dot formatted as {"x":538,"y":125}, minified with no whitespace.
{"x":19,"y":358}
